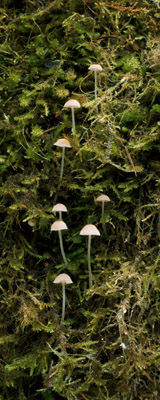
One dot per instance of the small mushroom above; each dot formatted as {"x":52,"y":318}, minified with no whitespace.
{"x":32,"y":223}
{"x":60,"y":208}
{"x":96,"y":68}
{"x":89,"y":230}
{"x":72,"y":104}
{"x":59,"y":226}
{"x":62,"y":143}
{"x":103,"y":198}
{"x":64,"y":279}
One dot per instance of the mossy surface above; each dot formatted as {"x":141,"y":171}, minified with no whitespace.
{"x":108,"y":346}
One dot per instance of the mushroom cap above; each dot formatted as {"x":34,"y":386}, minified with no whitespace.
{"x":58,"y":226}
{"x":89,"y":230}
{"x":62,"y":143}
{"x":31,"y":222}
{"x":95,"y":67}
{"x":103,"y":197}
{"x":63,"y":278}
{"x":59,"y":207}
{"x":72,"y":103}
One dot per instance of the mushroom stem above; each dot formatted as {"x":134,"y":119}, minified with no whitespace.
{"x":89,"y":261}
{"x":62,"y":162}
{"x":61,"y":247}
{"x":73,"y":121}
{"x":63,"y":301}
{"x":102,"y":209}
{"x":60,"y":215}
{"x":95,"y":88}
{"x":95,"y":84}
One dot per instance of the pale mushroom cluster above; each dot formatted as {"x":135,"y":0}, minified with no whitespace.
{"x":73,"y":104}
{"x":88,"y":230}
{"x":59,"y":225}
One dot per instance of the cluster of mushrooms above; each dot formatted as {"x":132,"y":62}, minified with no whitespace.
{"x":59,"y":225}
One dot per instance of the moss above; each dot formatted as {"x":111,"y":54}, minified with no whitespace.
{"x":129,"y":63}
{"x":107,"y":347}
{"x":133,"y":113}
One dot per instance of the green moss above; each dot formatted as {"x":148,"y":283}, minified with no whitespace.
{"x":133,"y":113}
{"x":129,"y":63}
{"x":107,"y":347}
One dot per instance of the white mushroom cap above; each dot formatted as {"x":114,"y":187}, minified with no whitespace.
{"x":62,"y":143}
{"x":89,"y":230}
{"x":72,"y":104}
{"x":59,"y":207}
{"x":31,"y":222}
{"x":95,"y":67}
{"x":58,"y":226}
{"x":103,"y":197}
{"x":63,"y":278}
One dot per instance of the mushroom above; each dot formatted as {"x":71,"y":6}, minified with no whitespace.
{"x":103,"y":198}
{"x":62,"y":143}
{"x":59,"y":226}
{"x":96,"y":68}
{"x":89,"y":230}
{"x":72,"y":104}
{"x":60,"y":208}
{"x":63,"y":279}
{"x":32,"y":223}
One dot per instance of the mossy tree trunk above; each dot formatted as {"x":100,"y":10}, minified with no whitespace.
{"x":108,"y":346}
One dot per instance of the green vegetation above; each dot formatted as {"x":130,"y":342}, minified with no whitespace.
{"x":108,"y":346}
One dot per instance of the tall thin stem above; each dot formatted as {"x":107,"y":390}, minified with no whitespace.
{"x":61,"y":247}
{"x":62,"y":162}
{"x":102,"y":209}
{"x":95,"y":84}
{"x":95,"y":88}
{"x":89,"y":261}
{"x":63,"y":301}
{"x":73,"y":121}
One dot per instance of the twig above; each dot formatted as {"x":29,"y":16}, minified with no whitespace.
{"x":130,"y":159}
{"x":105,"y":37}
{"x":84,"y":397}
{"x":124,"y":9}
